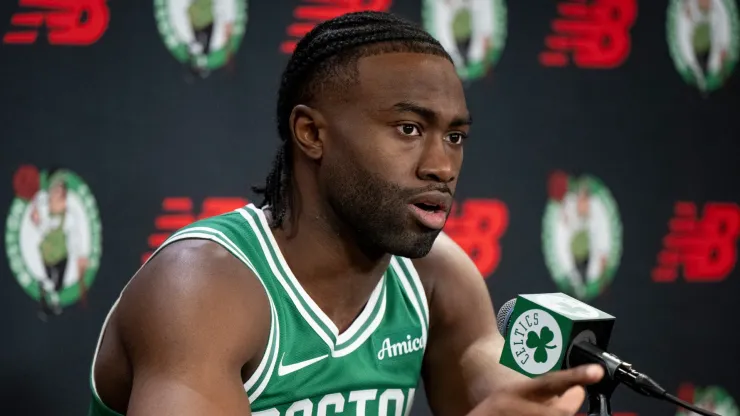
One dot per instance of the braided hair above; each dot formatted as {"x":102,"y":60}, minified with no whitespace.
{"x":326,"y":58}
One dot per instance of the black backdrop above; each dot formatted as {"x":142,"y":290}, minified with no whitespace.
{"x":138,"y":127}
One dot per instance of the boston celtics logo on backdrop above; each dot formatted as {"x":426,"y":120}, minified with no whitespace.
{"x":536,"y":341}
{"x":203,"y":34}
{"x":712,"y":398}
{"x":473,"y":32}
{"x":704,"y":36}
{"x":53,"y":237}
{"x":581,"y":235}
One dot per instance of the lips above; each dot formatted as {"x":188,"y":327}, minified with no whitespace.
{"x":432,"y":201}
{"x":431,"y":208}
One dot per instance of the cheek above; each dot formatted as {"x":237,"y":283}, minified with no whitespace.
{"x":374,"y":151}
{"x":458,"y":161}
{"x":372,"y":146}
{"x":389,"y":161}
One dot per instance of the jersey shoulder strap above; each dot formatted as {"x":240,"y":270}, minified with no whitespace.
{"x":235,"y":233}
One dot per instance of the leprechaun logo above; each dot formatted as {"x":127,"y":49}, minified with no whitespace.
{"x":712,"y":398}
{"x":53,"y":237}
{"x":473,"y":32}
{"x":203,"y":34}
{"x":581,"y":235}
{"x":704,"y":39}
{"x":536,"y":341}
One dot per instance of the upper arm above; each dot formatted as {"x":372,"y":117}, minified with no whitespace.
{"x":189,"y":322}
{"x":461,"y":363}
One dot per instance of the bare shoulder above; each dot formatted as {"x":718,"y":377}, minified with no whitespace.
{"x":463,"y":347}
{"x":188,"y":328}
{"x":447,"y":265}
{"x":193,"y":287}
{"x":192,"y":270}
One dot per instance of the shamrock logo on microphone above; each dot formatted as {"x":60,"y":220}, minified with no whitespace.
{"x":536,"y":341}
{"x":540,"y":343}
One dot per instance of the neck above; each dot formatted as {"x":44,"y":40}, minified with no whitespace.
{"x":327,"y":258}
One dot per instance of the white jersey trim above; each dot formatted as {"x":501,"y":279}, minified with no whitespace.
{"x":418,"y":286}
{"x":365,"y":315}
{"x":188,"y":233}
{"x":369,"y":330}
{"x":332,"y":339}
{"x":402,"y":277}
{"x":281,"y":279}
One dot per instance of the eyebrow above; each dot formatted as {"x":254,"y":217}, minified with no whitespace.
{"x":429,"y":114}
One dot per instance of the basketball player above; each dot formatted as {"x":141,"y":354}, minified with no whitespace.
{"x":339,"y":292}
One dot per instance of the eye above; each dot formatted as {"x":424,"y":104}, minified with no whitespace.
{"x":409,"y":130}
{"x":456,"y":138}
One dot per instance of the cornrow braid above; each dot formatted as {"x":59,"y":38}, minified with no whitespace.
{"x":328,"y":55}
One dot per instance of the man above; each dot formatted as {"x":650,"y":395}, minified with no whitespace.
{"x":706,"y":35}
{"x":584,"y":229}
{"x":59,"y":243}
{"x":465,"y":29}
{"x":310,"y":303}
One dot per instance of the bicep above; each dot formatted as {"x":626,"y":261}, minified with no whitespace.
{"x":189,"y":325}
{"x":461,"y":365}
{"x":211,"y":391}
{"x":462,"y":357}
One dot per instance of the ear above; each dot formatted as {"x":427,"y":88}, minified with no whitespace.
{"x":305,"y":124}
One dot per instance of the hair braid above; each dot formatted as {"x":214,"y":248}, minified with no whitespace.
{"x":331,"y":49}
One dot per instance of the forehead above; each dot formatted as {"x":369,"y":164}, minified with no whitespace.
{"x":428,"y":80}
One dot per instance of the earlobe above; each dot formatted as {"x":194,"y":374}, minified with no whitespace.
{"x":305,"y":124}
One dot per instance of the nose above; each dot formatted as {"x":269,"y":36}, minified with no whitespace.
{"x":438,"y":162}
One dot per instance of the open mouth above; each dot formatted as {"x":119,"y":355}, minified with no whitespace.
{"x":428,"y":207}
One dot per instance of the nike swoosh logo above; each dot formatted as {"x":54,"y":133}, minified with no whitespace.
{"x":292,"y":368}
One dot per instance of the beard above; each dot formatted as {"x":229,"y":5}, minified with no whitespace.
{"x":377,"y":211}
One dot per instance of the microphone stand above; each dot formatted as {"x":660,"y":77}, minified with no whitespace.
{"x":617,"y":371}
{"x":599,"y":394}
{"x":599,"y":398}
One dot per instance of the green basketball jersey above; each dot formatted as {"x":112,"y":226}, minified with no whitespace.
{"x":308,"y":367}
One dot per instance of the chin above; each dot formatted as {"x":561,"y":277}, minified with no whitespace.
{"x":412,"y":245}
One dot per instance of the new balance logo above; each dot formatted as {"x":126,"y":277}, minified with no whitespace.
{"x":390,"y":350}
{"x":178,"y":212}
{"x":477,"y":226}
{"x":313,"y":12}
{"x":68,"y":22}
{"x":706,"y":247}
{"x":596,"y":33}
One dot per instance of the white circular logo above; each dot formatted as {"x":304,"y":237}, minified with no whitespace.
{"x":704,"y":40}
{"x":473,"y":32}
{"x":581,"y":235}
{"x":536,"y":341}
{"x":53,"y":237}
{"x":567,"y":306}
{"x":204,"y":34}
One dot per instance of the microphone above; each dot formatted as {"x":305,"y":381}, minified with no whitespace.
{"x":553,"y":331}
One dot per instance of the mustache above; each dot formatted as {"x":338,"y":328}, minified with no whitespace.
{"x":442,"y":188}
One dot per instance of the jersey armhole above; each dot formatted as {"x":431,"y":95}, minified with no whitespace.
{"x":270,"y":353}
{"x":98,"y":407}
